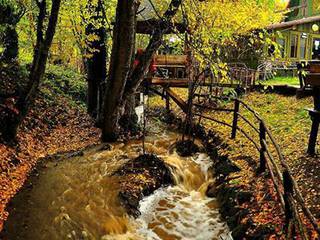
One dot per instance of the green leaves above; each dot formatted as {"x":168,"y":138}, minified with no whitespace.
{"x":70,"y":44}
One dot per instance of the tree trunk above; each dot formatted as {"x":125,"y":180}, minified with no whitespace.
{"x":137,"y":75}
{"x":123,"y":80}
{"x":96,"y":65}
{"x":38,"y":65}
{"x":10,"y":43}
{"x":120,"y":66}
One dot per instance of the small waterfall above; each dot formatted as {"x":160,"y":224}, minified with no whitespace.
{"x":183,"y":211}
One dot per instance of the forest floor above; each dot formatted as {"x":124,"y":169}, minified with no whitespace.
{"x":56,"y":123}
{"x":290,"y":124}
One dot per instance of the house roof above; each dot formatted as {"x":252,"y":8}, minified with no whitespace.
{"x":148,"y":26}
{"x":146,"y":11}
{"x":148,"y":18}
{"x":295,"y":22}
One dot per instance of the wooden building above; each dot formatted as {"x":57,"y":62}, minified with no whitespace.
{"x":300,"y":32}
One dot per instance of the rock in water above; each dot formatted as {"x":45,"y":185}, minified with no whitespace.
{"x":211,"y":191}
{"x":186,"y":148}
{"x":141,"y":177}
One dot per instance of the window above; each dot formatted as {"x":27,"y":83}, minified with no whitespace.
{"x":282,"y":46}
{"x":303,"y":46}
{"x":316,"y":49}
{"x":294,"y":46}
{"x":304,"y":8}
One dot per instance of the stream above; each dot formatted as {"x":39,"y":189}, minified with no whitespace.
{"x":76,"y":198}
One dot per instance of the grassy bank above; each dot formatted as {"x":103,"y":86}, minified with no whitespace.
{"x":292,"y":81}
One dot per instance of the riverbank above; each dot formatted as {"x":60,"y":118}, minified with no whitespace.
{"x":290,"y":124}
{"x":247,"y":200}
{"x":91,"y":194}
{"x":56,"y":123}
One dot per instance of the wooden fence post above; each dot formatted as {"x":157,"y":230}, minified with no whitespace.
{"x":262,"y":136}
{"x":288,"y":193}
{"x":235,"y":119}
{"x":167,"y":102}
{"x":315,"y":117}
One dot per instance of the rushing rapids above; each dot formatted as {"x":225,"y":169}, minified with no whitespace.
{"x":77,"y":198}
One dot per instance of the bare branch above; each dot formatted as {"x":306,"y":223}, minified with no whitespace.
{"x":52,"y":22}
{"x":42,"y":5}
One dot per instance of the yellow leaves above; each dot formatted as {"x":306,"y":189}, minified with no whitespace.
{"x":231,"y":17}
{"x":215,"y":25}
{"x":70,"y":32}
{"x":281,"y":4}
{"x":92,"y":37}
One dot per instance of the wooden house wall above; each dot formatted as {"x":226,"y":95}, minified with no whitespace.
{"x":301,"y":32}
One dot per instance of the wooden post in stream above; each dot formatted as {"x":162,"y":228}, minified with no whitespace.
{"x":190,"y":71}
{"x":167,"y":102}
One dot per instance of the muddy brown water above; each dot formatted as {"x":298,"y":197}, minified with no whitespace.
{"x":77,"y":198}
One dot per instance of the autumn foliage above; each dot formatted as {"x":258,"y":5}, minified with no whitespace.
{"x":54,"y":124}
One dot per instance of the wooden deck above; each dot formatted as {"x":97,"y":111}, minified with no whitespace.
{"x":184,"y":83}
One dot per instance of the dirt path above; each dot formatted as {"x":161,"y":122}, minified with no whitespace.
{"x":50,"y":129}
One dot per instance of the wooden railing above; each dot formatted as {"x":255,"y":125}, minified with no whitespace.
{"x":245,"y":77}
{"x":287,"y":190}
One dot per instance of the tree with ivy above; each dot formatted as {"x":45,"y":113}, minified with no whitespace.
{"x":10,"y":14}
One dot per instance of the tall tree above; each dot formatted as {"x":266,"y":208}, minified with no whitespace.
{"x":96,"y":63}
{"x":123,"y":79}
{"x":120,"y":66}
{"x":44,"y":41}
{"x":215,"y":26}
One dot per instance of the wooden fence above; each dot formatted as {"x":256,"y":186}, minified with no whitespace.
{"x":244,"y":77}
{"x":287,"y":190}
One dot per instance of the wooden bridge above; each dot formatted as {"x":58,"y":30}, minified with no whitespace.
{"x":184,"y":83}
{"x":168,"y":93}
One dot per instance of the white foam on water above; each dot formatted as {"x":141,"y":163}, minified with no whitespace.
{"x":177,"y":213}
{"x":204,"y":161}
{"x":187,"y":214}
